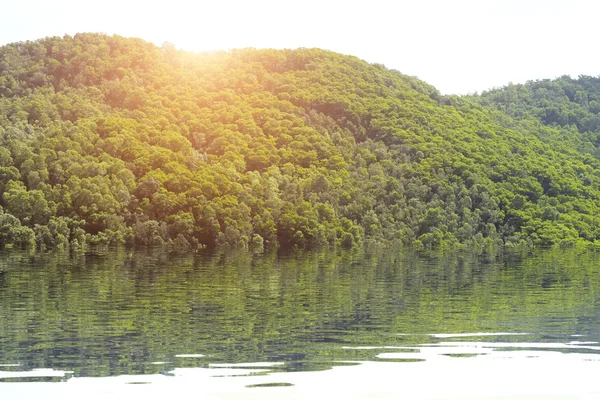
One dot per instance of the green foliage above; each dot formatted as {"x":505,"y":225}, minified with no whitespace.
{"x":13,"y":233}
{"x":106,"y":140}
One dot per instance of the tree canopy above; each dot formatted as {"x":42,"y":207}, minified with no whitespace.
{"x":109,"y":140}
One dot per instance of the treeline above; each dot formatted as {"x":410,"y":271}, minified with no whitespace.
{"x":107,"y":140}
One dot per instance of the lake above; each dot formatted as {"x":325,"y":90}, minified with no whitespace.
{"x":132,"y":324}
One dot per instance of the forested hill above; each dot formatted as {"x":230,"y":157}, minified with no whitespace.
{"x":571,"y":105}
{"x":108,"y":140}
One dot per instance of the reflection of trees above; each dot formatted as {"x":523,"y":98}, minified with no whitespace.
{"x":115,"y":313}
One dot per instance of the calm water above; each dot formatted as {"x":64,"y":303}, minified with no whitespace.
{"x":124,"y":324}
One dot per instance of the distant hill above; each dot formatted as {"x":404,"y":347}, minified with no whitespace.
{"x":109,"y":140}
{"x":571,"y":105}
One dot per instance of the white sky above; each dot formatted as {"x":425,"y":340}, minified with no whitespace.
{"x":458,"y":46}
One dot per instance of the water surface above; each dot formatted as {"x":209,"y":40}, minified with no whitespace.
{"x":121,"y":323}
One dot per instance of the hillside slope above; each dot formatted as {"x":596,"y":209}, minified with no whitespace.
{"x":572,"y":106}
{"x":111,"y":140}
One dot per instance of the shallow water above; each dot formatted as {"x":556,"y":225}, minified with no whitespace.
{"x":339,"y":325}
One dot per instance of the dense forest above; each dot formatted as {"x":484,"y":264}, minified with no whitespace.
{"x":108,"y":140}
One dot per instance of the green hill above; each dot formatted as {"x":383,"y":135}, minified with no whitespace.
{"x":570,"y":105}
{"x":108,"y":140}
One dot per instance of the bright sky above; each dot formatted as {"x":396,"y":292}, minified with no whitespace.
{"x":458,"y":46}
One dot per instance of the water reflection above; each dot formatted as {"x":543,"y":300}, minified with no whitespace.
{"x":126,"y":314}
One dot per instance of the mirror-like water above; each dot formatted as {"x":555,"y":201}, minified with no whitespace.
{"x":124,"y":323}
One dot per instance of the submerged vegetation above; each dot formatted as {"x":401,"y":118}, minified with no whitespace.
{"x":108,"y":140}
